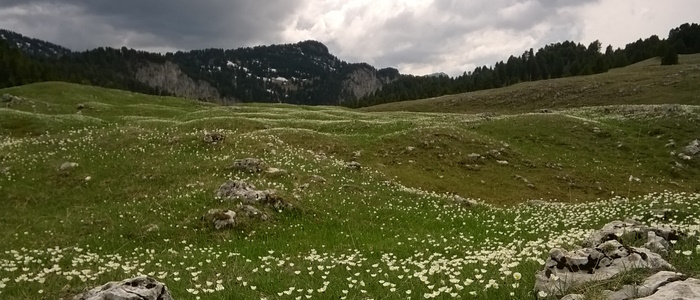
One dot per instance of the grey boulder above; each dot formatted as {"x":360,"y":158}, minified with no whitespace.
{"x":137,"y":288}
{"x":250,"y":165}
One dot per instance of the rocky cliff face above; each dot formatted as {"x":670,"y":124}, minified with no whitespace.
{"x":365,"y":80}
{"x":169,"y":78}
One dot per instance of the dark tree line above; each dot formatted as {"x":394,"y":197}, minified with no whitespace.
{"x":301,"y":73}
{"x":552,"y":61}
{"x":306,"y":73}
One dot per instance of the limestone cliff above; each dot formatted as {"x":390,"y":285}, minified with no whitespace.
{"x":365,"y":80}
{"x":168,"y":77}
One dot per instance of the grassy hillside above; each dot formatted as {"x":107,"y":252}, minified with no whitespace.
{"x":646,"y":82}
{"x":392,"y":230}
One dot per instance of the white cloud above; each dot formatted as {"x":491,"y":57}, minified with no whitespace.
{"x":618,"y":23}
{"x":426,"y":36}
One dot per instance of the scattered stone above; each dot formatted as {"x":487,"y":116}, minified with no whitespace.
{"x":151,"y":227}
{"x":275,"y":201}
{"x":251,"y":165}
{"x":523,"y":179}
{"x":528,"y":163}
{"x":353,"y":165}
{"x":67,"y":166}
{"x":410,"y":148}
{"x":463,"y":201}
{"x":80,"y":106}
{"x":213,"y":137}
{"x":474,"y":156}
{"x":5,"y":170}
{"x":473,"y":167}
{"x":9,"y":99}
{"x":276,"y":171}
{"x":596,"y":130}
{"x":221,"y":218}
{"x":554,"y":166}
{"x":494,"y":153}
{"x":317,"y":178}
{"x":502,"y":162}
{"x":693,"y":148}
{"x":671,"y":143}
{"x":137,"y":288}
{"x":357,"y":154}
{"x":252,"y":212}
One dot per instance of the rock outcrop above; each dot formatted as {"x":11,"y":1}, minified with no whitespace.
{"x":686,"y":289}
{"x":241,"y":190}
{"x":138,"y":288}
{"x":67,"y":166}
{"x":353,"y":165}
{"x":169,"y":77}
{"x":213,"y":137}
{"x":693,"y":148}
{"x":630,"y":229}
{"x":221,"y":218}
{"x":565,"y":270}
{"x":365,"y":80}
{"x":10,"y":99}
{"x":607,"y":253}
{"x":248,"y":194}
{"x":648,"y":287}
{"x":251,"y":165}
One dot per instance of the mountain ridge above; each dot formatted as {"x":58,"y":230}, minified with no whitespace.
{"x":306,"y":72}
{"x":301,"y":73}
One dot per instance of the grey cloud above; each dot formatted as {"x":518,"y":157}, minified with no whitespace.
{"x":434,"y":35}
{"x":443,"y":36}
{"x":181,"y":24}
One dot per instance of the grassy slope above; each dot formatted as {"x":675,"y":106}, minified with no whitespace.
{"x":643,"y":83}
{"x":380,"y":232}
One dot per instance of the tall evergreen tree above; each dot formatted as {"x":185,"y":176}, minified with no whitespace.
{"x":670,"y":57}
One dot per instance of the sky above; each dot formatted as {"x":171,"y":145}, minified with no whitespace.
{"x":415,"y":36}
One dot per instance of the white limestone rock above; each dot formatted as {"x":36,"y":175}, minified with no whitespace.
{"x":137,"y":288}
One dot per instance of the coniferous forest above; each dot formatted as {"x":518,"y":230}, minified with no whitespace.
{"x":552,"y":61}
{"x":306,"y":73}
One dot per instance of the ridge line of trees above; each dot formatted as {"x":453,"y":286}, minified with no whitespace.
{"x":552,"y":61}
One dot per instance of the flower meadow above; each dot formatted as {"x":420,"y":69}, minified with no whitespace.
{"x":395,"y":229}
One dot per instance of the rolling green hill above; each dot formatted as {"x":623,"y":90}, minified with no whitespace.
{"x":646,"y":82}
{"x":439,"y":207}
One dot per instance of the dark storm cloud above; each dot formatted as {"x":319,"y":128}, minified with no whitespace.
{"x":180,"y":24}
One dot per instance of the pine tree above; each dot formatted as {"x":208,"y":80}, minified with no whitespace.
{"x":670,"y":57}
